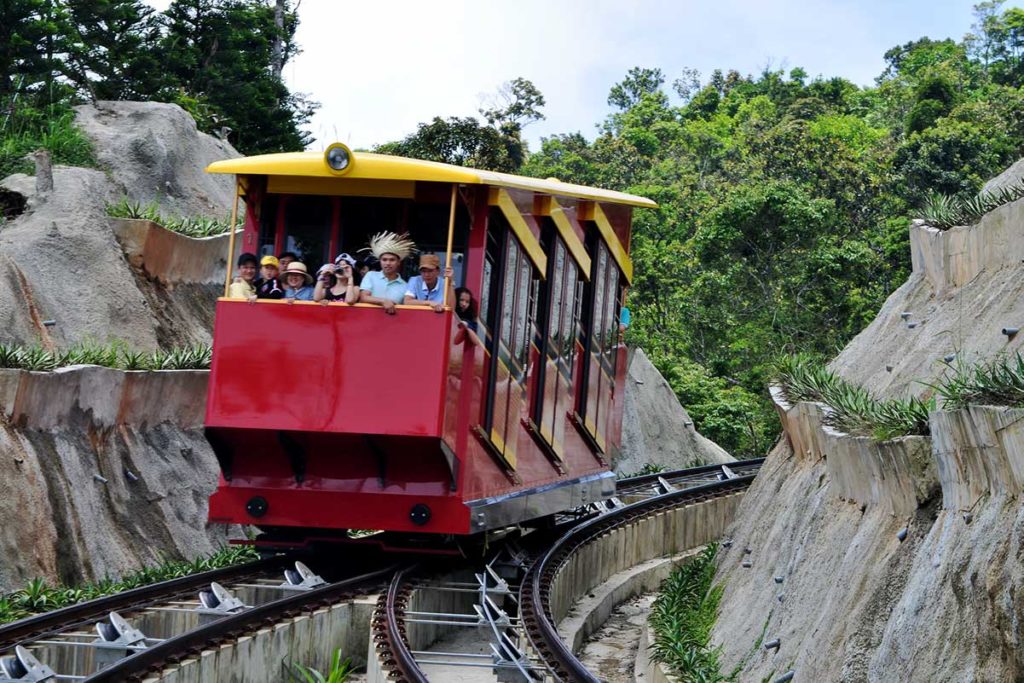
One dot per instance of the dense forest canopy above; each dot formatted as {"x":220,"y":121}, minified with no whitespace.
{"x":219,"y":59}
{"x":784,"y":199}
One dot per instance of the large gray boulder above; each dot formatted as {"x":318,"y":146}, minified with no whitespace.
{"x":153,"y":152}
{"x":60,"y":259}
{"x":656,"y":429}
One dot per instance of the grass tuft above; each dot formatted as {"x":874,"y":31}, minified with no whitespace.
{"x":114,"y":355}
{"x":338,"y":673}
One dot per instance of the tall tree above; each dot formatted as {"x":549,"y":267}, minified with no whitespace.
{"x":111,"y":49}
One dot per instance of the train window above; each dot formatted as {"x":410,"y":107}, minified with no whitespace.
{"x":308,"y":222}
{"x":601,"y":355}
{"x":554,"y":393}
{"x":508,"y":304}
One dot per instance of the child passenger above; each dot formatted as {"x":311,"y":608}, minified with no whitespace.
{"x":267,"y":285}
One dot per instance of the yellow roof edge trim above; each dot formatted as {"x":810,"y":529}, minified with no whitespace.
{"x":618,"y":252}
{"x":572,"y":242}
{"x":369,"y":166}
{"x":499,"y":197}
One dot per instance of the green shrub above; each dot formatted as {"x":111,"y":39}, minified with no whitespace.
{"x":682,"y":617}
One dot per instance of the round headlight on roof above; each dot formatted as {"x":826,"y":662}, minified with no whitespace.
{"x":338,"y":157}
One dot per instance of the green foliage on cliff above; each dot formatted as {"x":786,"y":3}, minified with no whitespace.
{"x":851,"y":408}
{"x":682,"y":617}
{"x":999,"y":382}
{"x":190,"y":226}
{"x":113,"y":355}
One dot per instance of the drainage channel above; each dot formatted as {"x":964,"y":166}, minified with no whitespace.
{"x":501,"y":612}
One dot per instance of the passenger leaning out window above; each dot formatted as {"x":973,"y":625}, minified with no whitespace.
{"x":386,"y":287}
{"x":298,"y":282}
{"x":242,"y":287}
{"x":427,"y":289}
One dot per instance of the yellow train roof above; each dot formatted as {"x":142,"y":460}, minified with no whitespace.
{"x":367,"y":166}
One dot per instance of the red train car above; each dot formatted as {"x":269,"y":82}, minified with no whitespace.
{"x":342,"y":417}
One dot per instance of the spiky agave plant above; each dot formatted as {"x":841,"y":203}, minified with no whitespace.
{"x":944,"y":212}
{"x":998,"y":382}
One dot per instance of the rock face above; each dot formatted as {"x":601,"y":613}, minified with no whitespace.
{"x":60,"y":259}
{"x":899,"y":561}
{"x":154,"y":153}
{"x":656,"y":429}
{"x":102,"y":472}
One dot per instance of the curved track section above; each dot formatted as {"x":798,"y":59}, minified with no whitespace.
{"x":535,"y":592}
{"x":389,"y":631}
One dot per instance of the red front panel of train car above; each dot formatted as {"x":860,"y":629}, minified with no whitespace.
{"x":350,"y":370}
{"x":332,"y":416}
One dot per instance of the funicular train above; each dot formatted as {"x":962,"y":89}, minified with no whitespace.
{"x":337,"y":417}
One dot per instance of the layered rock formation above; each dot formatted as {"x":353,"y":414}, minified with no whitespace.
{"x":896,"y":561}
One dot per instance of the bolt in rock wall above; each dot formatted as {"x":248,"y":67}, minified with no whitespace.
{"x":102,"y":472}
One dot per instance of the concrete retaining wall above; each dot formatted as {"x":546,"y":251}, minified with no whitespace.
{"x":308,"y":639}
{"x":102,"y":472}
{"x":666,"y":533}
{"x":978,"y":452}
{"x":896,"y":475}
{"x":171,"y":257}
{"x":954,"y":257}
{"x":103,"y":397}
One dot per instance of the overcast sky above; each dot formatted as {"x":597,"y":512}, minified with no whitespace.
{"x":380,"y":67}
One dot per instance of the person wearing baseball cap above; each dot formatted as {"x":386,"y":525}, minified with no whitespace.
{"x":427,"y":289}
{"x":268,"y":286}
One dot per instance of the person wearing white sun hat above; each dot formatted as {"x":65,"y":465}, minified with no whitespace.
{"x":298,"y":282}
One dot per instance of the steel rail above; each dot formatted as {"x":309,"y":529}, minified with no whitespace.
{"x":632,"y":483}
{"x":389,"y":631}
{"x":33,"y":627}
{"x":534,"y":596}
{"x":193,"y":642}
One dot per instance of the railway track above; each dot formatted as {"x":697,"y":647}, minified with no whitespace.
{"x":523,"y":632}
{"x":126,"y":636}
{"x":109,"y":639}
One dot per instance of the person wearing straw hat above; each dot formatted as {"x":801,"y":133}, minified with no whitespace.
{"x":427,"y":289}
{"x":298,"y":282}
{"x":386,"y":287}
